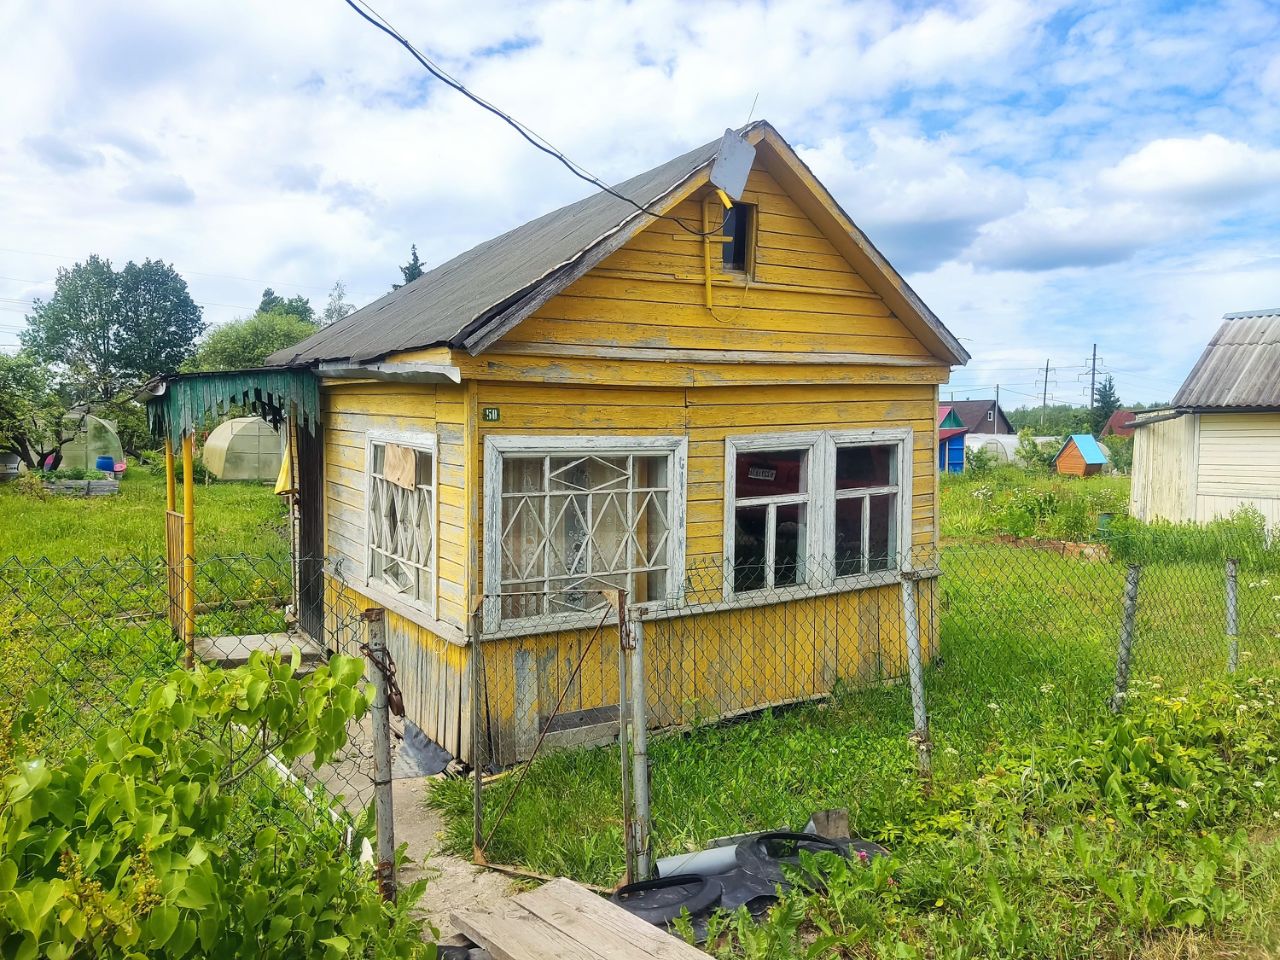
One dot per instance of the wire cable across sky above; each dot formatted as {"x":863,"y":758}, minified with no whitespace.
{"x":535,"y":139}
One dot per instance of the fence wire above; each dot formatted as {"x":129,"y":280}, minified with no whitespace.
{"x":830,"y":685}
{"x":86,"y":633}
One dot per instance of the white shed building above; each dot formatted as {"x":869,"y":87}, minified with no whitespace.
{"x":1216,"y":448}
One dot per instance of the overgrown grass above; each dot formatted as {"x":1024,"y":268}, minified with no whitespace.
{"x":232,"y":518}
{"x":1010,"y":500}
{"x":1148,"y":835}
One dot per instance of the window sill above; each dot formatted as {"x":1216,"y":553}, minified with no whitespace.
{"x":673,"y":609}
{"x":418,"y":616}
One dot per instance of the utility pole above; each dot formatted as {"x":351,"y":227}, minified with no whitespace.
{"x":1044,"y":398}
{"x":995,"y":424}
{"x":1093,"y":381}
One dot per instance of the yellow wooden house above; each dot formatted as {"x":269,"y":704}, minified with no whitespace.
{"x":729,"y":414}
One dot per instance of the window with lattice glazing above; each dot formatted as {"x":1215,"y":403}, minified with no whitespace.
{"x":573,"y":522}
{"x":401,"y":519}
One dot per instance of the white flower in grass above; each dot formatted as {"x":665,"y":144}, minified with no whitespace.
{"x":951,"y":751}
{"x":1258,"y":784}
{"x":1271,"y":759}
{"x":1183,"y":804}
{"x":1275,"y":814}
{"x":1046,"y":688}
{"x":993,"y":707}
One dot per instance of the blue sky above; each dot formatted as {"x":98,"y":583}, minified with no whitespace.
{"x":1046,"y":175}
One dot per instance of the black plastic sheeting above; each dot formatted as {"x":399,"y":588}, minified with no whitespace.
{"x":756,"y":882}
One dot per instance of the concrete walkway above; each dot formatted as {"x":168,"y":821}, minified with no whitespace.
{"x":453,"y":884}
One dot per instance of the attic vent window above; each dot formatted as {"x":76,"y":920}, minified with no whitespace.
{"x":739,"y":227}
{"x":991,"y":415}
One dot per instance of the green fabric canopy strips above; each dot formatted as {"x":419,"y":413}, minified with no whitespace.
{"x":188,"y":402}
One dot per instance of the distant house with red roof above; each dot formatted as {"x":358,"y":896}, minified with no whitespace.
{"x":1119,"y":424}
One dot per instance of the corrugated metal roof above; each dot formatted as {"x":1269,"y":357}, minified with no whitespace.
{"x":1089,"y":448}
{"x":440,"y":306}
{"x":1239,"y":368}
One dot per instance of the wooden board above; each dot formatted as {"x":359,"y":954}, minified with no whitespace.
{"x":564,"y":920}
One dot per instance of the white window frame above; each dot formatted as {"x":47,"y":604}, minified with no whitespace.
{"x":991,"y":416}
{"x":811,"y":443}
{"x":427,"y":443}
{"x":822,"y":497}
{"x":496,"y":447}
{"x":902,"y":439}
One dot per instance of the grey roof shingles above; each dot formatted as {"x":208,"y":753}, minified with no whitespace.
{"x":443,"y":305}
{"x":1240,"y":368}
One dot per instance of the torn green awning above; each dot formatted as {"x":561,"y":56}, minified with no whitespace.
{"x":190,"y":402}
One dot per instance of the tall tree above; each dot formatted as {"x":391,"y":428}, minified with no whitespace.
{"x":1105,"y":402}
{"x":412,"y":270}
{"x":337,"y":307}
{"x":247,"y":343}
{"x":298,"y":306}
{"x":32,"y":411}
{"x":106,"y":331}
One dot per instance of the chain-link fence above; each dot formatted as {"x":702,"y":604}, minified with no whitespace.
{"x":768,"y":694}
{"x":87,"y":635}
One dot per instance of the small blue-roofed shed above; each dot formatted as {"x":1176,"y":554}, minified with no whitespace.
{"x":1080,"y":456}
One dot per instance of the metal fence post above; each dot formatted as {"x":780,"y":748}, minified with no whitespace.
{"x":639,"y":749}
{"x":380,"y":716}
{"x":1233,"y":615}
{"x":915,"y":672}
{"x":1128,"y":624}
{"x":625,"y":684}
{"x":477,"y":734}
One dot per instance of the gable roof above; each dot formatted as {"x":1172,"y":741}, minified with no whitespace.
{"x":948,"y":418}
{"x":475,"y":298}
{"x":1119,"y":423}
{"x":1239,"y":368}
{"x":1089,"y":448}
{"x":973,"y":414}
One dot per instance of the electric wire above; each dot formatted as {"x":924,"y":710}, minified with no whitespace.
{"x":534,"y":139}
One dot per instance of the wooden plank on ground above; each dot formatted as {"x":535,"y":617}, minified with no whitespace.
{"x":510,"y":932}
{"x":608,"y":929}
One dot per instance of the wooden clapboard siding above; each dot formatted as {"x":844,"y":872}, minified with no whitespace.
{"x":633,"y":349}
{"x":1238,"y":465}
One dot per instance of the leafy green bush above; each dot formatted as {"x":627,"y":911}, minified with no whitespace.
{"x":127,"y":850}
{"x":73,"y":473}
{"x":979,"y":460}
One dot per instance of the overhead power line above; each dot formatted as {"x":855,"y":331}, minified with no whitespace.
{"x":535,"y":139}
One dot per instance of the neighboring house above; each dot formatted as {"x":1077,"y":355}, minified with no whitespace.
{"x":1216,"y":448}
{"x":1080,"y":456}
{"x":601,"y":397}
{"x":1119,"y":424}
{"x":982,"y":416}
{"x":950,"y":441}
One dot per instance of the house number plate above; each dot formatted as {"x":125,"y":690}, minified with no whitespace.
{"x":490,"y":414}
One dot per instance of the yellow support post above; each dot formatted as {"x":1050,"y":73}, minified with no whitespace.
{"x":189,"y":548}
{"x":170,"y":478}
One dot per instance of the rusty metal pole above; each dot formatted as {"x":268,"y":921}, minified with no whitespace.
{"x":380,"y":717}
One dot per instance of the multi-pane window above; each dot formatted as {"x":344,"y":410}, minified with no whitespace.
{"x":401,"y":524}
{"x":814,"y":508}
{"x":573,"y":521}
{"x":866,"y":508}
{"x":771,"y":517}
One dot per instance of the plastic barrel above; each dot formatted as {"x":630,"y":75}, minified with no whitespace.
{"x":105,"y":464}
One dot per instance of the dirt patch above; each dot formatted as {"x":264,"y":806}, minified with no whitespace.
{"x":452,"y":883}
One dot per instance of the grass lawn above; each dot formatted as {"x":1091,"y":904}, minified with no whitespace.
{"x":231,"y":518}
{"x":1011,"y":501}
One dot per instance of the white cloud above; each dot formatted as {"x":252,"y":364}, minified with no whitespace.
{"x":1205,"y":170}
